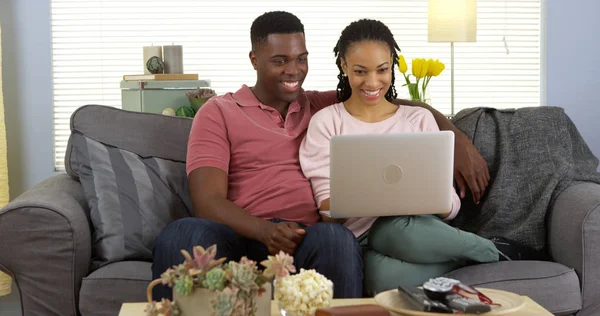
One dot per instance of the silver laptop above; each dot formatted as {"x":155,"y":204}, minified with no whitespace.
{"x":391,"y":174}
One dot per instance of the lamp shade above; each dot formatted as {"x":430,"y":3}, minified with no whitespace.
{"x":452,"y":21}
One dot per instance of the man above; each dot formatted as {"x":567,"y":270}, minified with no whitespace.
{"x":249,"y":194}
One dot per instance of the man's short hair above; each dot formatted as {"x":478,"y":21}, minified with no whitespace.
{"x":274,"y":22}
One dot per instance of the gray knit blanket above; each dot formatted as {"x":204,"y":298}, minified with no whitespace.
{"x":533,"y":154}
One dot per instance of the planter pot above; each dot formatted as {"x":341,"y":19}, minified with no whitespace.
{"x":196,"y":103}
{"x":200,"y":301}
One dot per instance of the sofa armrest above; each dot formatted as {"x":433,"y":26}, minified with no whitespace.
{"x":574,"y":236}
{"x":46,"y":246}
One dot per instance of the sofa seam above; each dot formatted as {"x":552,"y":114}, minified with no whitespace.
{"x":529,"y":278}
{"x":567,"y":311}
{"x":82,"y":134}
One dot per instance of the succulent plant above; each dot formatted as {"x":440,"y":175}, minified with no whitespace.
{"x":279,"y":265}
{"x":244,"y":274}
{"x":215,"y":279}
{"x":203,"y":259}
{"x":168,"y":277}
{"x":184,"y":285}
{"x":204,"y":93}
{"x":164,"y":308}
{"x":225,"y":302}
{"x":245,"y":304}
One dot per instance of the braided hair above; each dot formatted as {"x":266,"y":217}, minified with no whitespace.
{"x":358,"y":31}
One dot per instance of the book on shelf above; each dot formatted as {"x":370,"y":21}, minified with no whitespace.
{"x":160,"y":77}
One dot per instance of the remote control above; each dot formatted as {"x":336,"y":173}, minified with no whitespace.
{"x":466,"y":305}
{"x":437,"y":289}
{"x":420,"y":301}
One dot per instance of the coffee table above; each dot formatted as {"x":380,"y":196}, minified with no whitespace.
{"x":532,"y":308}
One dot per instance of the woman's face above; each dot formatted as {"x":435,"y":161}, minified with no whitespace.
{"x":368,"y":65}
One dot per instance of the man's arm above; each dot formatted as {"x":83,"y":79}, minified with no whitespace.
{"x":469,"y":166}
{"x":321,"y":99}
{"x":208,"y":186}
{"x":442,"y":121}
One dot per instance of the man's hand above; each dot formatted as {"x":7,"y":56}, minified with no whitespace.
{"x":469,"y":168}
{"x":282,"y":236}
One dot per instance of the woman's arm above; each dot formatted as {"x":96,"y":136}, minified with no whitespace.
{"x":314,"y":155}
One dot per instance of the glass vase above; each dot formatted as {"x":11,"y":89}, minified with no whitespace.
{"x":426,"y":96}
{"x":417,"y":94}
{"x":413,"y":90}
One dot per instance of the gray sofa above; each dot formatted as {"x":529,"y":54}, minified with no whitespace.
{"x":47,"y":234}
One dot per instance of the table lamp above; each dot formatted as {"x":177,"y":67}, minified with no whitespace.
{"x":452,"y":21}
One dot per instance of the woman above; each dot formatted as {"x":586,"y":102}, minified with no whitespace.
{"x":413,"y":248}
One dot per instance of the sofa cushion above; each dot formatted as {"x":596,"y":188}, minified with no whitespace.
{"x":552,"y":285}
{"x":132,"y":195}
{"x":106,"y":289}
{"x":146,"y":134}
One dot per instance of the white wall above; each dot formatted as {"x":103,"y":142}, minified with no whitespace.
{"x":27,"y":91}
{"x":572,"y":79}
{"x":573,"y":56}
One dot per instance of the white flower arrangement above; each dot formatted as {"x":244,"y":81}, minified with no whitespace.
{"x":303,"y":293}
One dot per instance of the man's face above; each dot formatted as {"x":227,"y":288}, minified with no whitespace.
{"x":281,"y":65}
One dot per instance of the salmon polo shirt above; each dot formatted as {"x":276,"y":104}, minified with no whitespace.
{"x":259,"y":150}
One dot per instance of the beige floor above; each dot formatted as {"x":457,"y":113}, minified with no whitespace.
{"x":9,"y":305}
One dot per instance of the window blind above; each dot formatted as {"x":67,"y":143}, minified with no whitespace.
{"x":96,"y":42}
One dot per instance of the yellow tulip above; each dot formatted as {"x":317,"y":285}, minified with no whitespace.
{"x":430,"y":67}
{"x":419,"y":67}
{"x":402,"y":64}
{"x":437,"y":68}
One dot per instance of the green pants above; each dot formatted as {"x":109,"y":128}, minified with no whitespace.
{"x":410,"y":250}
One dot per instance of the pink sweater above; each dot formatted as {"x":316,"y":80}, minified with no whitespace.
{"x":335,"y":120}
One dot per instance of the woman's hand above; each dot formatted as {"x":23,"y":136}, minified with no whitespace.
{"x":324,"y":207}
{"x":444,"y":215}
{"x":328,"y":219}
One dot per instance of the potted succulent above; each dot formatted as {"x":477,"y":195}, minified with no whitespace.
{"x":205,"y":286}
{"x":199,"y":97}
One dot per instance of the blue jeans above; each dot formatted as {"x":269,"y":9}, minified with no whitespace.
{"x":329,"y":248}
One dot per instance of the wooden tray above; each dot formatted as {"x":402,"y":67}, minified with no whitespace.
{"x":397,"y":303}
